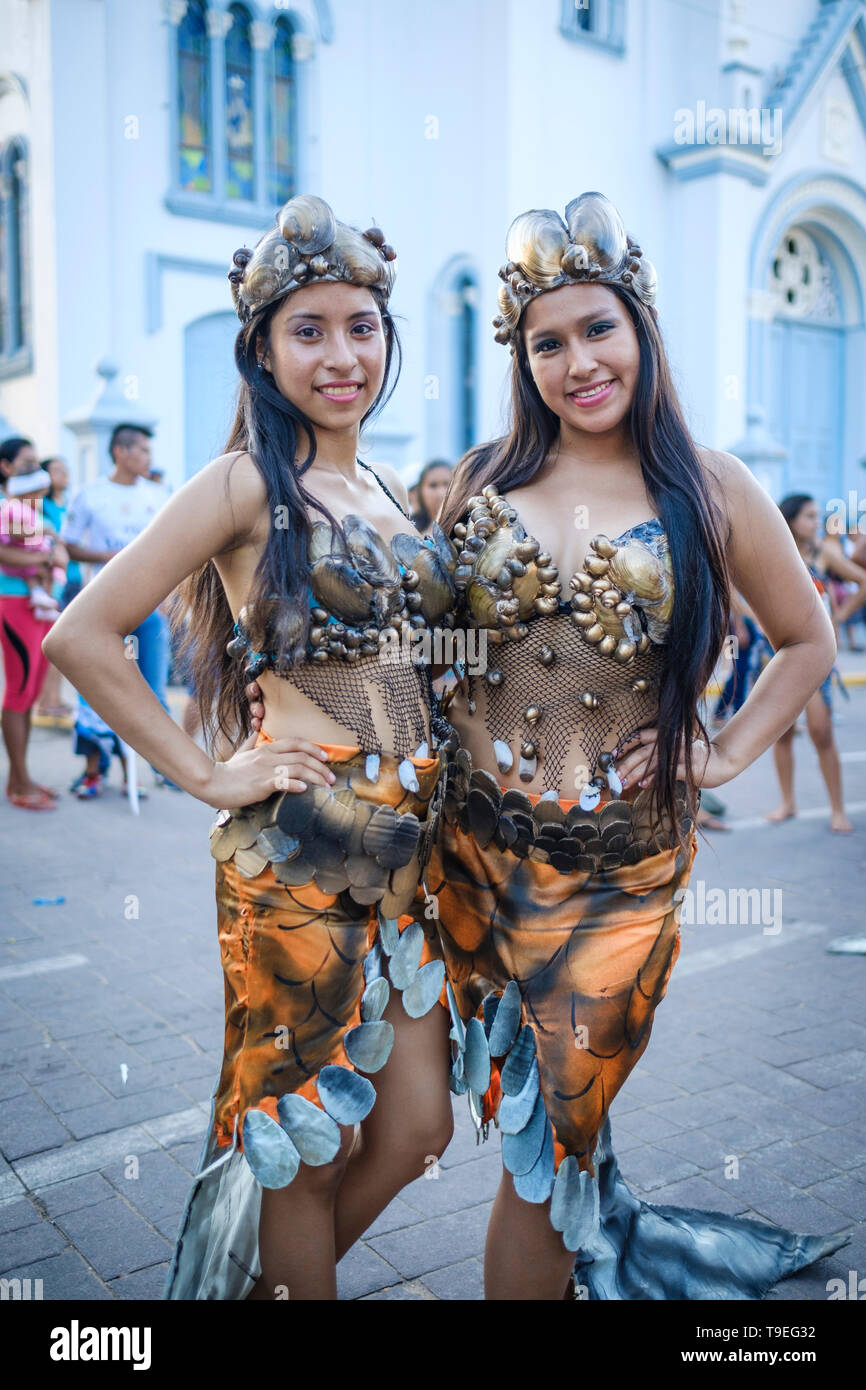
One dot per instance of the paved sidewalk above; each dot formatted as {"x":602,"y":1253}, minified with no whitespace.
{"x":112,"y":1033}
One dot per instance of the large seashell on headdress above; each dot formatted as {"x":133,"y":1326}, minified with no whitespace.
{"x":646,"y":282}
{"x":365,"y":265}
{"x":536,"y":242}
{"x":594,"y":222}
{"x":308,"y":245}
{"x":308,"y":223}
{"x":544,"y":253}
{"x":510,"y":307}
{"x":261,"y":281}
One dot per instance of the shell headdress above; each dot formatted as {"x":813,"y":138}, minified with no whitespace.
{"x":544,"y":253}
{"x":308,"y":244}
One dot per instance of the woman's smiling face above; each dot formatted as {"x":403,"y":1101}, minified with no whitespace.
{"x":326,"y":352}
{"x":584,"y":355}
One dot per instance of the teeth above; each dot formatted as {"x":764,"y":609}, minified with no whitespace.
{"x":339,"y":390}
{"x":584,"y":395}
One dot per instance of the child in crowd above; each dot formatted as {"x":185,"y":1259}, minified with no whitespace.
{"x":98,"y":744}
{"x":23,"y":525}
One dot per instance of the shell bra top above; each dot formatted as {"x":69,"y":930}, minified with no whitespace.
{"x":363,"y":663}
{"x":565,"y":678}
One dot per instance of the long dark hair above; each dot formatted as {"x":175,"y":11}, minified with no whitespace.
{"x":692,"y":520}
{"x":792,"y":505}
{"x":267,"y":426}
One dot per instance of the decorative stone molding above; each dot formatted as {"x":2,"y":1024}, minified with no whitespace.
{"x":303,"y":48}
{"x":218,"y":23}
{"x":261,"y":35}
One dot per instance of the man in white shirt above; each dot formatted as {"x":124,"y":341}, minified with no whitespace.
{"x":109,"y":513}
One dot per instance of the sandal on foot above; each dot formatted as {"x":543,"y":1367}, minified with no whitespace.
{"x":32,"y":801}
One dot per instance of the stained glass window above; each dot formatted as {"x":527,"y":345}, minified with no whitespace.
{"x":283,"y":161}
{"x":193,"y":96}
{"x":239,"y":107}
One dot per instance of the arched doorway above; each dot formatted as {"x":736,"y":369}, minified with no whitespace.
{"x":807,"y":336}
{"x":806,"y":406}
{"x":210,"y":385}
{"x":453,"y":360}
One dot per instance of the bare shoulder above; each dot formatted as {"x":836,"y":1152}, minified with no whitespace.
{"x":232,"y":481}
{"x":728,"y":478}
{"x":240,"y":473}
{"x":721,"y":469}
{"x":392,"y":480}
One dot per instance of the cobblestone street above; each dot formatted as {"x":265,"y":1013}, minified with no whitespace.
{"x":112,"y":1040}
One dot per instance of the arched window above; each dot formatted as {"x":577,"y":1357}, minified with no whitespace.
{"x":466,"y":327}
{"x":13,"y":251}
{"x":240,"y":167}
{"x":284,"y":115}
{"x":238,"y":93}
{"x":193,"y":94}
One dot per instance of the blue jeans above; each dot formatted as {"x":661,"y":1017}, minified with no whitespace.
{"x":736,"y":689}
{"x":153,"y":654}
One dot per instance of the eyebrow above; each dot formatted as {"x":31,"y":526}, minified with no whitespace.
{"x":358,"y":314}
{"x":584,"y":318}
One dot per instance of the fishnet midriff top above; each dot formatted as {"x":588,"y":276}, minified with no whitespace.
{"x":384,"y":705}
{"x":568,"y":735}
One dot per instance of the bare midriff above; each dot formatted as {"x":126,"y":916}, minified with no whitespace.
{"x":291,"y":713}
{"x":568,"y":736}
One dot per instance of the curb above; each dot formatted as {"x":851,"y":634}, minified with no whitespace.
{"x":848,"y":678}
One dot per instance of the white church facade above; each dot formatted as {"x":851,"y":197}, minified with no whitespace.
{"x":143,"y":141}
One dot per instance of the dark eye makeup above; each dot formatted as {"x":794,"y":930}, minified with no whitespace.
{"x":602,"y":325}
{"x":305,"y":329}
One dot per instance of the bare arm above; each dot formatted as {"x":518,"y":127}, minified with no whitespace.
{"x":740,"y":606}
{"x":86,"y":642}
{"x":768,"y":571}
{"x":211,"y":513}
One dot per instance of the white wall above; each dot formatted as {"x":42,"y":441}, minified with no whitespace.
{"x":522,"y":118}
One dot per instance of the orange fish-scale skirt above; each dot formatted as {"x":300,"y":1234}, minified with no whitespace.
{"x":592,"y":957}
{"x":293,"y":961}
